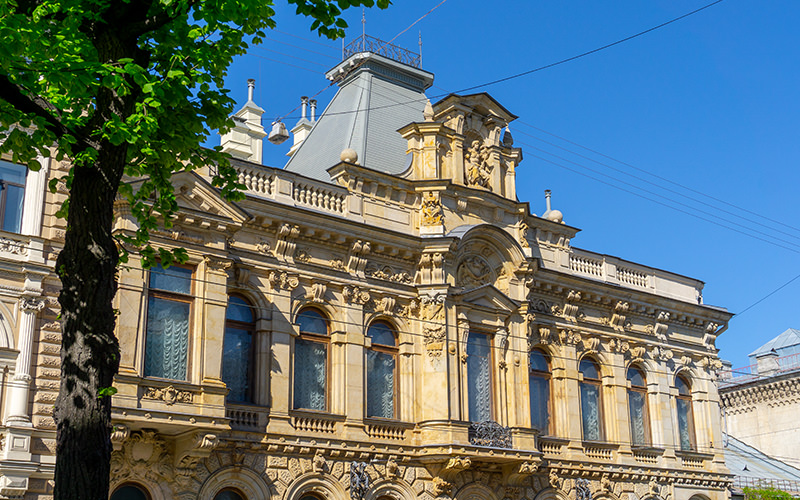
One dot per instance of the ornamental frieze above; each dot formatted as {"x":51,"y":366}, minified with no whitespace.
{"x":169,"y":395}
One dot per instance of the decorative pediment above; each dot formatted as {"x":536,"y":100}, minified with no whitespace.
{"x":490,"y":298}
{"x":195,"y":195}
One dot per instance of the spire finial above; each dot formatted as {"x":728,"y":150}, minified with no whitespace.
{"x":251,"y":85}
{"x":420,"y":48}
{"x":363,"y":23}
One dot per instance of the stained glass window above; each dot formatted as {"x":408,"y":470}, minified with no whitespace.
{"x":539,"y":386}
{"x":637,"y":407}
{"x":169,"y":308}
{"x":381,"y":363}
{"x":591,"y":409}
{"x":237,"y":351}
{"x":479,"y":377}
{"x":311,"y":361}
{"x":683,"y":404}
{"x":12,"y":194}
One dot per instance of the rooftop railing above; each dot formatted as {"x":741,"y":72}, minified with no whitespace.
{"x":366,"y":43}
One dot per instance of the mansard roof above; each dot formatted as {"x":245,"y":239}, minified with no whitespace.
{"x":784,"y":344}
{"x":376,"y":97}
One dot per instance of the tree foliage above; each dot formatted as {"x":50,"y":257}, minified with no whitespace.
{"x":120,"y":88}
{"x":766,"y":493}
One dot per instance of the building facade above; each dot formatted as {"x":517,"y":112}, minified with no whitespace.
{"x":384,"y":319}
{"x":760,"y":403}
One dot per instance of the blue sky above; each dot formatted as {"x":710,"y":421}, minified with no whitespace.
{"x":708,"y":104}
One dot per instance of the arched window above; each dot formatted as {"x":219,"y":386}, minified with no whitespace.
{"x":229,"y":494}
{"x":381,"y":370}
{"x":683,"y":402}
{"x":311,"y":361}
{"x":539,"y":386}
{"x":479,"y":377}
{"x":130,"y":491}
{"x":637,"y":407}
{"x":237,"y":351}
{"x":591,"y":401}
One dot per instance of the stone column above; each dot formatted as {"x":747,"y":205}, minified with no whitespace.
{"x":20,"y":386}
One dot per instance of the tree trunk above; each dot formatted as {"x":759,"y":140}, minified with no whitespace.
{"x":89,"y":349}
{"x":87,"y":267}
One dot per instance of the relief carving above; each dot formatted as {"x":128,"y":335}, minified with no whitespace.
{"x":31,"y":305}
{"x":386,"y":273}
{"x":14,"y":247}
{"x":432,"y":315}
{"x":473,"y":272}
{"x":284,"y":241}
{"x":431,"y":211}
{"x":619,"y":317}
{"x":357,"y":259}
{"x":477,"y":170}
{"x":355,"y":295}
{"x":317,"y":293}
{"x":282,"y":280}
{"x":169,"y":395}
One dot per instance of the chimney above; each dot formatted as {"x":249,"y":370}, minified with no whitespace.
{"x":244,"y":140}
{"x":313,"y":110}
{"x":304,"y":126}
{"x":767,"y":363}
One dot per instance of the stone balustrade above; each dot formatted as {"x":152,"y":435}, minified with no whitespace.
{"x":631,"y":275}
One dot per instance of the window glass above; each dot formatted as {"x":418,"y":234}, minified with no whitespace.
{"x":239,"y":310}
{"x":311,"y":321}
{"x":12,"y":194}
{"x":381,"y":362}
{"x":683,"y":405}
{"x":311,"y":362}
{"x":637,"y":408}
{"x":167,"y":343}
{"x":479,"y":377}
{"x":591,"y":412}
{"x":310,"y":359}
{"x":229,"y":495}
{"x":237,"y":351}
{"x":173,"y":279}
{"x":539,"y":386}
{"x":129,"y":492}
{"x":381,"y":333}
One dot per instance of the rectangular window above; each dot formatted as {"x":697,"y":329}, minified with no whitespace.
{"x":685,"y":423}
{"x":12,"y":193}
{"x":479,"y":377}
{"x":169,"y":308}
{"x":310,"y":374}
{"x":540,"y":399}
{"x":637,"y":408}
{"x":590,"y":412}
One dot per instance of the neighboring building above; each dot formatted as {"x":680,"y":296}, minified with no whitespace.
{"x":754,"y":469}
{"x":385,"y":307}
{"x":760,"y":402}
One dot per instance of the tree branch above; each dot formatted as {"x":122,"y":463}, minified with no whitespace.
{"x":14,"y":95}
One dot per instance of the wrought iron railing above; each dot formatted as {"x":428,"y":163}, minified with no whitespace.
{"x":366,"y":43}
{"x":490,"y":433}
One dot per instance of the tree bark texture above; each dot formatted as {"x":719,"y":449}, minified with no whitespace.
{"x":89,"y":349}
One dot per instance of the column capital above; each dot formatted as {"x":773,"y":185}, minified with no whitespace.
{"x":31,"y":305}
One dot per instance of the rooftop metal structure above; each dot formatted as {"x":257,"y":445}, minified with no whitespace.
{"x":366,"y":43}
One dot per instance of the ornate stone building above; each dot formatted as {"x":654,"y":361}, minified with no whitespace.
{"x":383,"y":319}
